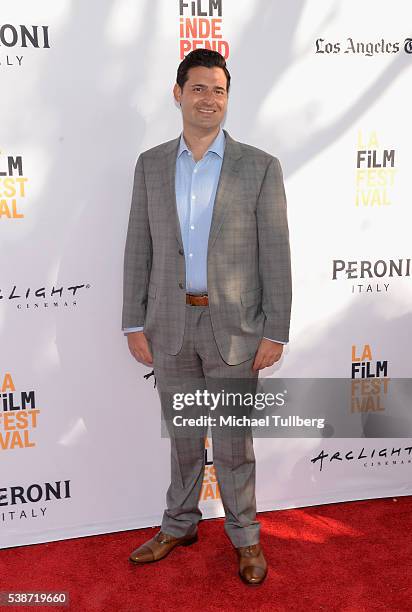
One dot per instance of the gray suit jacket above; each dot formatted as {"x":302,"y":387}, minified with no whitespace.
{"x":249,"y":278}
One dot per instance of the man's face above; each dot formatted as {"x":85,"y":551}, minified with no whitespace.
{"x":203,"y":98}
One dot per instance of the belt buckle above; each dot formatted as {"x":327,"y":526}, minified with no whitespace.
{"x":192,"y":298}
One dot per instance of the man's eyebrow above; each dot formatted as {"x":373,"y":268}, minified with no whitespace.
{"x":203,"y":85}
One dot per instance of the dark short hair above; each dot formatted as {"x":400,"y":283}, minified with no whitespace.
{"x":201,"y":57}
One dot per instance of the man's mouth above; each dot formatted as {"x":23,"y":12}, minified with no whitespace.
{"x":207,"y":111}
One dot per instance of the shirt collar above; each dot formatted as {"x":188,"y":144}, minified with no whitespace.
{"x":217,"y":146}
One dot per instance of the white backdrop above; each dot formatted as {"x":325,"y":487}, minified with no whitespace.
{"x":76,"y":110}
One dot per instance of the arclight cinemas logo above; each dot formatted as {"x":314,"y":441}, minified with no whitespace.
{"x":25,"y":297}
{"x":370,"y":276}
{"x":377,"y":457}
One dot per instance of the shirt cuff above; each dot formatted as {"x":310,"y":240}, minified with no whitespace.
{"x":129,"y":330}
{"x":278,"y":341}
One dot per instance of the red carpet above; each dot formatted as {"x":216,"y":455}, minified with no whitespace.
{"x":350,"y":557}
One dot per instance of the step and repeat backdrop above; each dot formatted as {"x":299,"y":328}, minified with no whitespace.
{"x":85,"y":87}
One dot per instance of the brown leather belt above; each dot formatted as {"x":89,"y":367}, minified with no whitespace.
{"x":197,"y":300}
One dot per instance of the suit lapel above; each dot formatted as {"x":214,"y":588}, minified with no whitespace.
{"x":226,"y":189}
{"x":168,"y":172}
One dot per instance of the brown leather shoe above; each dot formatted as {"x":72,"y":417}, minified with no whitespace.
{"x":158,"y":547}
{"x":252,"y":564}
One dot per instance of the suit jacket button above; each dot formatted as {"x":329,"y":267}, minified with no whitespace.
{"x":181,"y":251}
{"x":181,"y":285}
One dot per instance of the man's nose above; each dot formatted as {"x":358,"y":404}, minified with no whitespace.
{"x":209,"y":95}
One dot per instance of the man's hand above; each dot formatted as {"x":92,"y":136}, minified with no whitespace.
{"x":267,"y":354}
{"x":139,"y":347}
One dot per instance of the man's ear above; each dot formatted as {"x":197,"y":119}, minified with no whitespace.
{"x":177,"y":92}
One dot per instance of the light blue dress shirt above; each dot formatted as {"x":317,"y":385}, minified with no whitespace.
{"x":195,"y":186}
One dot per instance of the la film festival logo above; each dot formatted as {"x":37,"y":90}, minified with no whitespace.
{"x":210,"y":488}
{"x":19,"y":417}
{"x":200,"y":27}
{"x":14,"y":39}
{"x":367,"y":49}
{"x":366,"y":276}
{"x":13,"y":187}
{"x":28,"y":502}
{"x":369,"y":387}
{"x":375,"y":172}
{"x":370,"y":382}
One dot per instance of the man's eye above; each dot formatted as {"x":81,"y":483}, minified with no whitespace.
{"x":197,"y":89}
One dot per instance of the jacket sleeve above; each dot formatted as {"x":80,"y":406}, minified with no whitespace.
{"x":138,"y":254}
{"x":274,"y":254}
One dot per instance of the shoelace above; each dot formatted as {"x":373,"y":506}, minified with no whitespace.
{"x":250,"y":551}
{"x":163,"y":538}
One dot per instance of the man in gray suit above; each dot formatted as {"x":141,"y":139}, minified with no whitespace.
{"x":207,"y":294}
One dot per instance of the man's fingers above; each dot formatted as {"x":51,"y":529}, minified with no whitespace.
{"x":148,"y":357}
{"x":266,"y":356}
{"x":264,"y":361}
{"x":139,"y":348}
{"x":259,"y":358}
{"x":144,"y":358}
{"x":257,"y":363}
